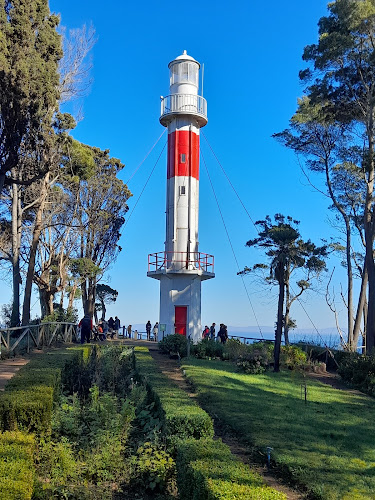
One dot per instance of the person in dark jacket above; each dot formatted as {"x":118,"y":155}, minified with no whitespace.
{"x":223,"y":333}
{"x":148,"y":330}
{"x":212,"y":331}
{"x":111,"y":325}
{"x":116,"y":327}
{"x":86,"y":328}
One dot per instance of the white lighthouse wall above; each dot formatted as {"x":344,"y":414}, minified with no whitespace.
{"x":181,"y":290}
{"x":182,"y":209}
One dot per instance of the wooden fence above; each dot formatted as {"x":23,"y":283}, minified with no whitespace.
{"x":43,"y":334}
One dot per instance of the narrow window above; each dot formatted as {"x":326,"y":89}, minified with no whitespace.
{"x":182,"y":190}
{"x":183,"y":158}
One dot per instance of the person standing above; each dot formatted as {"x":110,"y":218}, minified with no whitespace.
{"x":105,"y":327}
{"x":116,"y":327}
{"x":206,"y":332}
{"x":130,"y":331}
{"x":148,"y":330}
{"x":212,"y":331}
{"x":86,"y":328}
{"x":111,"y":325}
{"x":156,"y":330}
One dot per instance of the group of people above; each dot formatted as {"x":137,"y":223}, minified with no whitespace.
{"x":103,"y":330}
{"x":110,"y":329}
{"x":155,"y":330}
{"x":209,"y":333}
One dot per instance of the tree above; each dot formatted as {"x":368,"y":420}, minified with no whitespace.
{"x":104,"y":295}
{"x":30,"y":50}
{"x":326,"y":146}
{"x":287,"y":253}
{"x":341,"y":80}
{"x":101,"y":211}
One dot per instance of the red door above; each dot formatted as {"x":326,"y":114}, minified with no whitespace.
{"x":180,"y":315}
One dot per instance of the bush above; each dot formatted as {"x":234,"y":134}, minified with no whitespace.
{"x":256,"y":358}
{"x":16,"y":466}
{"x":28,"y":399}
{"x":174,"y":344}
{"x":292,"y":357}
{"x":208,"y":348}
{"x":359,"y":371}
{"x":152,"y":467}
{"x":181,"y":416}
{"x":234,"y":349}
{"x":207,"y":469}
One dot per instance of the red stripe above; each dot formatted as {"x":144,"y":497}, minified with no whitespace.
{"x":183,"y":142}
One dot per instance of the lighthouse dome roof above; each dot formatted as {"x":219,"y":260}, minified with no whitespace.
{"x":183,"y":57}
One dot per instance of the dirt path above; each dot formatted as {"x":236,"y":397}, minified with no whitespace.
{"x":172,"y":370}
{"x":8,"y":367}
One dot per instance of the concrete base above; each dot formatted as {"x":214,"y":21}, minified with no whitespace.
{"x":181,"y":290}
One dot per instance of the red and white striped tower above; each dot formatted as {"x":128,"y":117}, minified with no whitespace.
{"x":181,"y":267}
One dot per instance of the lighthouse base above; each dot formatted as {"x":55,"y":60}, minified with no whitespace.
{"x":180,"y":305}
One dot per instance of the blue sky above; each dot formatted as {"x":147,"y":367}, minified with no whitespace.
{"x":252,"y":53}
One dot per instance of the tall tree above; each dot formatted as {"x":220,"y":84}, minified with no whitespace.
{"x":30,"y":50}
{"x":327,"y":148}
{"x":287,"y":252}
{"x":102,"y":208}
{"x":341,"y":80}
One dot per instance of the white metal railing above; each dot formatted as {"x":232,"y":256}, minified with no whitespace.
{"x":180,"y":261}
{"x":184,"y":104}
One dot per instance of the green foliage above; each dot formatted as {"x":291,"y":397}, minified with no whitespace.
{"x":61,"y":315}
{"x":152,"y":467}
{"x":359,"y":371}
{"x":16,"y":466}
{"x":181,"y":416}
{"x":292,"y":356}
{"x":28,"y":400}
{"x":207,"y":469}
{"x":174,"y":344}
{"x":208,"y":348}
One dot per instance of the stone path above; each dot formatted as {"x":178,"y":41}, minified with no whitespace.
{"x":8,"y":367}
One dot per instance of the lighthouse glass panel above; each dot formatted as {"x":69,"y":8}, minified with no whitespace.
{"x":184,"y":72}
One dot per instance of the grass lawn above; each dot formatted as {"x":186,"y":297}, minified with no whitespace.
{"x":328,"y":444}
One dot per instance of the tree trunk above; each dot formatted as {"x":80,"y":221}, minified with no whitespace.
{"x":279,"y":325}
{"x":369,"y":237}
{"x":16,"y":243}
{"x":287,"y":310}
{"x":33,"y":251}
{"x":72,"y":295}
{"x":360,"y":310}
{"x":349,"y":269}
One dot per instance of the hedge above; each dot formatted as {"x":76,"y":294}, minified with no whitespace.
{"x":16,"y":466}
{"x":207,"y":469}
{"x":182,"y":417}
{"x":28,"y":399}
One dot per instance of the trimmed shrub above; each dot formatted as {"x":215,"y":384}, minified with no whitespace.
{"x":28,"y":399}
{"x":16,"y":466}
{"x":208,"y":348}
{"x":174,"y":344}
{"x":207,"y":469}
{"x":181,"y":416}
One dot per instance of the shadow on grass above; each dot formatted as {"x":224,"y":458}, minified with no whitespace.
{"x":326,"y":444}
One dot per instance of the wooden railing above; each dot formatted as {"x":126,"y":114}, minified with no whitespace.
{"x":43,"y":334}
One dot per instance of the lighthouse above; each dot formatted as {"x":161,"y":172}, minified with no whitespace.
{"x":181,"y":267}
